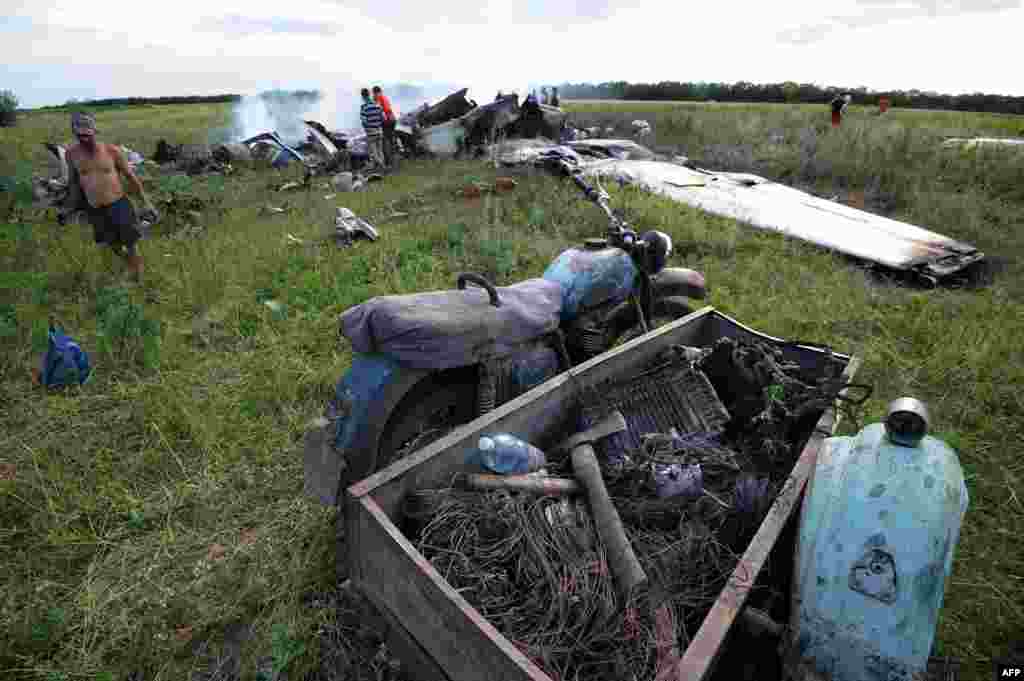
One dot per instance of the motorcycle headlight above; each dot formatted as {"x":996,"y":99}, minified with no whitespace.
{"x":659,"y":249}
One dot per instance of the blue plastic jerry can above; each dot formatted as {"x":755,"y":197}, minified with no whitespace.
{"x":878,"y":528}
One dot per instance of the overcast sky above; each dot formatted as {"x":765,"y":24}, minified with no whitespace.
{"x":53,"y":51}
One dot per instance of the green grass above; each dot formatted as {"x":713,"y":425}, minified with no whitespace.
{"x":146,"y":514}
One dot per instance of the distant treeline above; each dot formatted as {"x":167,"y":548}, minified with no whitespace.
{"x":136,"y":101}
{"x":289,"y":94}
{"x":789,"y":92}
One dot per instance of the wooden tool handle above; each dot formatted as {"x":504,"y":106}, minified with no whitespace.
{"x":665,"y":644}
{"x":535,"y":484}
{"x":621,"y":560}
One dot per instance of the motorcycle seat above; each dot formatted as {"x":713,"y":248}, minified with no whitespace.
{"x":446,"y":329}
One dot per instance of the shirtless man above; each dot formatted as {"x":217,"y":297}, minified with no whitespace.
{"x":95,"y":172}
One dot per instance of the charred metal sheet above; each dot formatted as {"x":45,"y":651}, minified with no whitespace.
{"x":232,"y":153}
{"x":323,"y":143}
{"x":452,"y":106}
{"x":484,"y":122}
{"x":768,"y":205}
{"x":284,"y":152}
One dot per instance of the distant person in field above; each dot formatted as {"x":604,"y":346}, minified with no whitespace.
{"x":839,"y":105}
{"x":95,"y":187}
{"x":372,"y":116}
{"x":389,"y":123}
{"x":554,"y":97}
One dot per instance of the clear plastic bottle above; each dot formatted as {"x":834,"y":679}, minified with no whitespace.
{"x":508,"y":455}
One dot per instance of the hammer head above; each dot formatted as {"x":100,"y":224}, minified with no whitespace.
{"x":609,"y":425}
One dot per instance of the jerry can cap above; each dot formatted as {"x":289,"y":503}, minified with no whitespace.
{"x":907,"y":421}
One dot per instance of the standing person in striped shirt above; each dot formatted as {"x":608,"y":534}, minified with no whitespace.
{"x":372,"y":116}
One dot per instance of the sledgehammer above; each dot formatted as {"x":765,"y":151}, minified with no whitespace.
{"x":625,"y":567}
{"x":621,"y":560}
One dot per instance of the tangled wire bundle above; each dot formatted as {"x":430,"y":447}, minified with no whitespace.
{"x":535,"y":568}
{"x":539,"y":575}
{"x":774,"y":403}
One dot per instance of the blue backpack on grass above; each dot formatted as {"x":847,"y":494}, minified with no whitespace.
{"x":64,"y":362}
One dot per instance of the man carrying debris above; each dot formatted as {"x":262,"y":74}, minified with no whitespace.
{"x":389,"y":123}
{"x":95,"y":171}
{"x":372,"y":116}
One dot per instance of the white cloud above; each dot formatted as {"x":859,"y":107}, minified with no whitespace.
{"x":112,"y":49}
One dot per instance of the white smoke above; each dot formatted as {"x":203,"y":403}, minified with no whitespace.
{"x":336,"y":109}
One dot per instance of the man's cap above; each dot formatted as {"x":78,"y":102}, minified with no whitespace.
{"x":83,"y":123}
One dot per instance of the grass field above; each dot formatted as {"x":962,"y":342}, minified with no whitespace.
{"x":153,"y":522}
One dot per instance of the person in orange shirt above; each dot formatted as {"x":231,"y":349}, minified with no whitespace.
{"x":389,"y":123}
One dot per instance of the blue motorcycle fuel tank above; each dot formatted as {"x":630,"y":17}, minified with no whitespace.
{"x":592,"y":276}
{"x":879,"y":525}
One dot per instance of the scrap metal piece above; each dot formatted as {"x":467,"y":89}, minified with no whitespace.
{"x":52,"y":190}
{"x":613,"y":148}
{"x":771,"y":206}
{"x":322,"y":141}
{"x":59,"y":170}
{"x":974,"y":142}
{"x":348,"y":226}
{"x":284,"y":152}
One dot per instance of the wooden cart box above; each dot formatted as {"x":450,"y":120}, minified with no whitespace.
{"x":437,"y":632}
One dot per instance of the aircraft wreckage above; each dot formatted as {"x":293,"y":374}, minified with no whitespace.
{"x":457,"y":125}
{"x":452,"y":127}
{"x":759,"y":203}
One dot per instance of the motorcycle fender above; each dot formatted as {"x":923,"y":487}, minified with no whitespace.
{"x":678,"y":281}
{"x":353,"y":422}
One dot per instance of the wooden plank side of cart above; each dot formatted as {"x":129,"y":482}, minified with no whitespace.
{"x":398,"y":578}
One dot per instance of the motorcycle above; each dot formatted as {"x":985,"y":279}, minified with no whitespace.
{"x":427,"y":363}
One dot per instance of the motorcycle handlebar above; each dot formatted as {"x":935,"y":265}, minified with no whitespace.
{"x":582,"y":184}
{"x":594,"y":195}
{"x":617,"y":227}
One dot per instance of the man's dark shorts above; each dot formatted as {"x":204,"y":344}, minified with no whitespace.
{"x":115,"y":224}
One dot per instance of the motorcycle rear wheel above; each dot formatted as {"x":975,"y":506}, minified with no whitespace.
{"x":431,"y":409}
{"x":435,"y":406}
